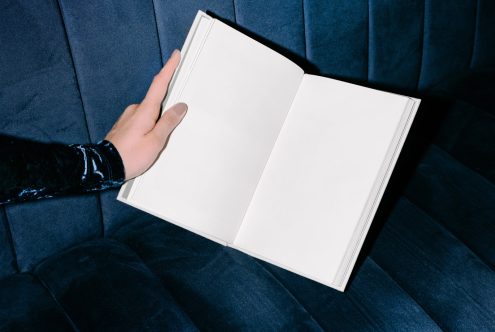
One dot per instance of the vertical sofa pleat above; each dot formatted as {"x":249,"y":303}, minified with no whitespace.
{"x":173,"y":28}
{"x":337,"y":38}
{"x":475,"y":126}
{"x":483,"y":50}
{"x":448,"y":36}
{"x":396,"y":33}
{"x":116,"y":53}
{"x":8,"y":263}
{"x":39,"y":99}
{"x":279,"y":24}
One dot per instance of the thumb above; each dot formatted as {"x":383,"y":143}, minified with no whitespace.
{"x":169,"y":120}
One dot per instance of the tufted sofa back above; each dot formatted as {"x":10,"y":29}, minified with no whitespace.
{"x":68,"y":68}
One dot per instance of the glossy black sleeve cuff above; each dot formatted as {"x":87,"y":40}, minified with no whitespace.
{"x":33,"y":170}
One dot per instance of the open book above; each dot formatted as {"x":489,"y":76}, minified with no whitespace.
{"x":285,"y":166}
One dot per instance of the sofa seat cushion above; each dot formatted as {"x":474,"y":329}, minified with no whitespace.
{"x":233,"y":291}
{"x":220,"y":288}
{"x":26,"y":305}
{"x":102,"y":285}
{"x":40,"y":100}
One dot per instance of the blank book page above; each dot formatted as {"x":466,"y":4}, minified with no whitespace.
{"x":239,"y":93}
{"x":320,"y":175}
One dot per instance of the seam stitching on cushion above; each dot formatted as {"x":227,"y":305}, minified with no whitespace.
{"x":448,"y":231}
{"x":152,"y":271}
{"x":57,"y":303}
{"x":484,"y":178}
{"x":235,"y":11}
{"x":364,"y":313}
{"x":422,"y":45}
{"x":441,"y":222}
{"x":438,"y":322}
{"x":175,"y":298}
{"x":304,"y":31}
{"x":10,"y":239}
{"x":100,"y":208}
{"x":455,"y":136}
{"x":288,"y":291}
{"x":405,"y":291}
{"x":368,"y":46}
{"x":453,"y":282}
{"x":71,"y":54}
{"x":476,"y":108}
{"x":475,"y":35}
{"x":157,"y":32}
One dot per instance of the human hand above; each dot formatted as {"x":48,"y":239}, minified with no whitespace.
{"x":137,"y":135}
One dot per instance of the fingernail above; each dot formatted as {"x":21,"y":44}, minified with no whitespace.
{"x":175,"y":52}
{"x":180,"y":110}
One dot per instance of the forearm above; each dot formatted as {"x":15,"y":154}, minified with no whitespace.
{"x":33,"y":170}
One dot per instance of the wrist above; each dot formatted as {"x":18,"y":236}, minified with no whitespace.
{"x":113,"y":160}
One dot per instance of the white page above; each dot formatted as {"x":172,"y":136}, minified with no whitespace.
{"x":238,"y":94}
{"x":320,"y":175}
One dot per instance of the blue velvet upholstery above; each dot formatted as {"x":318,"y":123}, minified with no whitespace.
{"x":40,"y":100}
{"x":8,"y":264}
{"x":87,"y":262}
{"x":28,"y":306}
{"x":110,"y":288}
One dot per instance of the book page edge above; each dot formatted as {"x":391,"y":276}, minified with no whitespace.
{"x":347,"y":265}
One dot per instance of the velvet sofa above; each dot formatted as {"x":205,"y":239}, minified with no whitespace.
{"x":87,"y":262}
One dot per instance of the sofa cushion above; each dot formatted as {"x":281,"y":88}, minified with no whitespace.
{"x":471,"y":146}
{"x":42,"y":228}
{"x":26,"y":305}
{"x":459,"y":199}
{"x":279,"y":24}
{"x":220,"y":288}
{"x":374,"y":301}
{"x":8,"y":264}
{"x":445,"y":57}
{"x":39,"y":99}
{"x":450,"y":282}
{"x":102,"y":285}
{"x":454,"y":182}
{"x":395,"y":34}
{"x":116,"y":52}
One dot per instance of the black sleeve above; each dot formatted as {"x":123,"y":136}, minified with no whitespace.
{"x":33,"y":170}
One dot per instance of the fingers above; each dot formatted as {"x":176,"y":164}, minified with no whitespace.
{"x":158,"y":88}
{"x":168,"y":121}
